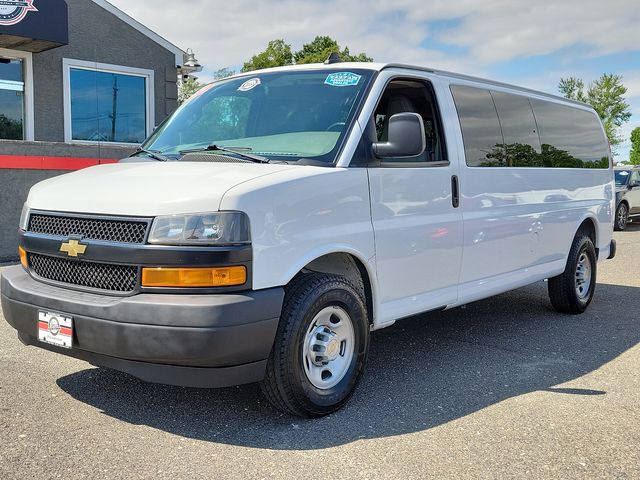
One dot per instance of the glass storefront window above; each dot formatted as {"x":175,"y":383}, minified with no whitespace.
{"x":107,"y":106}
{"x":11,"y":99}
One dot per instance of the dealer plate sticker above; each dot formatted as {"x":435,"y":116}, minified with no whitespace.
{"x":343,"y":79}
{"x":55,"y":329}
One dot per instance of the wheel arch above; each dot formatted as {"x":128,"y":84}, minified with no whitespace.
{"x":626,"y":203}
{"x":589,"y":225}
{"x":348,"y":264}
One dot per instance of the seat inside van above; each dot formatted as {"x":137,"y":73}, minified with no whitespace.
{"x":415,"y":97}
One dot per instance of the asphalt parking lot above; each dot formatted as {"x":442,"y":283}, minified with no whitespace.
{"x":504,"y":388}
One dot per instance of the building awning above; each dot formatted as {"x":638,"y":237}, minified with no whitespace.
{"x":33,"y":25}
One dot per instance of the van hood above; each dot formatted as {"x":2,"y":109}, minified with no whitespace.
{"x":146,"y":189}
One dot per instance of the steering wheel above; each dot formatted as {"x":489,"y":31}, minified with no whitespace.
{"x":334,"y":125}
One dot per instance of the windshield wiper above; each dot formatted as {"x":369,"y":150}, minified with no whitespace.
{"x":240,"y":151}
{"x":152,"y":153}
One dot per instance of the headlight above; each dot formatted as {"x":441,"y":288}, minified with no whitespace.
{"x":24,"y":217}
{"x":220,"y":228}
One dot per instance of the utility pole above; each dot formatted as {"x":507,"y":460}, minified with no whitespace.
{"x":114,"y":110}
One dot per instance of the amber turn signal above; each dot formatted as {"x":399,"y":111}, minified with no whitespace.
{"x":194,"y":277}
{"x":23,"y":257}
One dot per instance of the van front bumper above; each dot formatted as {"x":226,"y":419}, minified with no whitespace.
{"x":187,"y":340}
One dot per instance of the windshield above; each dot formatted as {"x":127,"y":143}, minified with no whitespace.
{"x":287,"y":116}
{"x":622,"y":177}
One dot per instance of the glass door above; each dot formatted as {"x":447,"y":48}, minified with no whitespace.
{"x":11,"y":99}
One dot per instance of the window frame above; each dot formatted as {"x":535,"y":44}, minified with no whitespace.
{"x":28,"y":124}
{"x":148,"y":75}
{"x":428,"y":84}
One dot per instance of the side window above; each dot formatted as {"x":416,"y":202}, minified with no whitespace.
{"x":108,"y":106}
{"x":481,"y":133}
{"x":519,"y":129}
{"x":12,"y":113}
{"x":506,"y":130}
{"x":413,"y":96}
{"x":570,"y":137}
{"x":635,"y":176}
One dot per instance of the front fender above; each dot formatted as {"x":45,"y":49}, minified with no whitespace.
{"x":301,"y":214}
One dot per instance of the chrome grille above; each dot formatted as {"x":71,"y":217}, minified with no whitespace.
{"x":102,"y":276}
{"x":112,"y":230}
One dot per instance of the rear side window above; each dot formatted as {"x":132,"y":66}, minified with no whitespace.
{"x":519,"y":129}
{"x":571,"y":138}
{"x":481,"y":133}
{"x":506,"y":130}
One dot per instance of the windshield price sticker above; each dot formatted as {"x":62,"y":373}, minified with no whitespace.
{"x":249,"y":85}
{"x":343,"y":79}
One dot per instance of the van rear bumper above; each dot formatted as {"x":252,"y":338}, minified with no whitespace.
{"x":186,"y":340}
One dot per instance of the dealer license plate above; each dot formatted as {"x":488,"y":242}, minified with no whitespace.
{"x":55,"y":329}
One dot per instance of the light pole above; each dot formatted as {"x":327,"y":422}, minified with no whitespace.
{"x":188,"y":67}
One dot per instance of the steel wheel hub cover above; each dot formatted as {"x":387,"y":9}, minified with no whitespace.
{"x":328,"y":347}
{"x":583,"y":276}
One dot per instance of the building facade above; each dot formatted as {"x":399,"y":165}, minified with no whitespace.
{"x":81,"y":83}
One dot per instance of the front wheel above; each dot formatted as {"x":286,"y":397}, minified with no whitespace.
{"x":320,"y":347}
{"x":622,"y":217}
{"x":572,"y":291}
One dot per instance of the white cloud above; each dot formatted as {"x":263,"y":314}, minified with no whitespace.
{"x":228,"y":33}
{"x":631,"y":80}
{"x":502,"y":30}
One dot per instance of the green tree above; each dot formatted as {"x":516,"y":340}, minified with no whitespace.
{"x":223,"y":73}
{"x":606,"y":96}
{"x":187,"y":88}
{"x":573,"y":88}
{"x":634,"y":155}
{"x":321,"y":47}
{"x":10,"y":129}
{"x":277,"y":54}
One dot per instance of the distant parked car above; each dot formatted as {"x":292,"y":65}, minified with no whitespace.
{"x":627,"y":195}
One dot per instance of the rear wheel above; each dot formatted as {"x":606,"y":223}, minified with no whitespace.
{"x":572,"y":291}
{"x":320,"y":347}
{"x":622,"y":217}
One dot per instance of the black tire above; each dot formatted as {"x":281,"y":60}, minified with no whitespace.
{"x":286,"y":384}
{"x":622,"y":217}
{"x":564,"y":289}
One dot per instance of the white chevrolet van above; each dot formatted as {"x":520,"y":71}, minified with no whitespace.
{"x":279,"y":216}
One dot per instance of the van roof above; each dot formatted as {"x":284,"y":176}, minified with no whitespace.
{"x":378,"y":67}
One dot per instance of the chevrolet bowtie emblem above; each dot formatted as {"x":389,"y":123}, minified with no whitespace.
{"x":73,"y":248}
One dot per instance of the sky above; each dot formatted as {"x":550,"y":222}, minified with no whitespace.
{"x":532,"y":43}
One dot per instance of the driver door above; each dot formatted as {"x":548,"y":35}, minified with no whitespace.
{"x":416,"y":220}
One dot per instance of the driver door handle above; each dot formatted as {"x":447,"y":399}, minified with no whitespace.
{"x":455,"y":191}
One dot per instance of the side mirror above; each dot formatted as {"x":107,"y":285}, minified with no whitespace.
{"x":406,"y":137}
{"x":634,"y":184}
